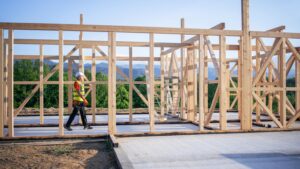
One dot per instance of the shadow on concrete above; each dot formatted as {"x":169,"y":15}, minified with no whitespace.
{"x":104,"y":157}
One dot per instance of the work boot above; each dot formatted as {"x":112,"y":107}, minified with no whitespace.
{"x":67,"y":128}
{"x":88,"y":127}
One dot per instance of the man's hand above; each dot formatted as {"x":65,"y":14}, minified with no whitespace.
{"x":85,"y":102}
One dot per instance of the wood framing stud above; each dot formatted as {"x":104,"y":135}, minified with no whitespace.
{"x":246,"y":81}
{"x":112,"y":84}
{"x":201,"y":82}
{"x":61,"y":85}
{"x":10,"y":84}
{"x":151,"y":81}
{"x":1,"y":83}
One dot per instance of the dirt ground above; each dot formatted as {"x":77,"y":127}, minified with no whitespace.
{"x":76,"y":155}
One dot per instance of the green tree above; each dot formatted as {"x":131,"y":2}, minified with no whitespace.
{"x":102,"y":91}
{"x":137,"y":101}
{"x":122,"y":97}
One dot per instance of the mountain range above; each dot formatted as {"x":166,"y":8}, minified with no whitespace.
{"x":138,"y":69}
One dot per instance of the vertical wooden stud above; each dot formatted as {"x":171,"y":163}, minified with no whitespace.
{"x":205,"y":69}
{"x":297,"y":84}
{"x":201,"y":82}
{"x":70,"y":87}
{"x":61,"y":85}
{"x":10,"y":83}
{"x":223,"y":84}
{"x":162,"y":84}
{"x":270,"y":80}
{"x":93,"y":94}
{"x":282,"y":81}
{"x":81,"y":52}
{"x":1,"y":83}
{"x":112,"y":84}
{"x":130,"y":84}
{"x":246,"y":99}
{"x":190,"y":83}
{"x":41,"y":84}
{"x":151,"y":81}
{"x":257,"y":68}
{"x":182,"y":94}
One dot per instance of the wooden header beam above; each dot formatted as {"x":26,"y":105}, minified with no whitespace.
{"x":109,"y":28}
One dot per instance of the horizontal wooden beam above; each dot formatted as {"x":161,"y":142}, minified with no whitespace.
{"x":109,"y":28}
{"x":89,"y":43}
{"x":55,"y":57}
{"x":275,"y":34}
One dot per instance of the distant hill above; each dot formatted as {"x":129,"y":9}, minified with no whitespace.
{"x":138,"y":69}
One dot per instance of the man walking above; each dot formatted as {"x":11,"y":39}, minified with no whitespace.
{"x":79,"y":102}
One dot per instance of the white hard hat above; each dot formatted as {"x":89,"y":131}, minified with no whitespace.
{"x":79,"y":74}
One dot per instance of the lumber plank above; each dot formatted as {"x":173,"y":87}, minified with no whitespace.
{"x":201,"y":82}
{"x":10,"y":84}
{"x":130,"y":83}
{"x":41,"y":84}
{"x":151,"y":80}
{"x":93,"y":94}
{"x":223,"y":85}
{"x":112,"y":84}
{"x":1,"y":83}
{"x":60,"y":85}
{"x":128,"y":29}
{"x":282,"y":81}
{"x":246,"y":70}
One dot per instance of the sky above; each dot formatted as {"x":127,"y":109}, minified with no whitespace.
{"x":264,"y":14}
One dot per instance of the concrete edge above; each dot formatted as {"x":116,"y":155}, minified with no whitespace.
{"x":122,"y":158}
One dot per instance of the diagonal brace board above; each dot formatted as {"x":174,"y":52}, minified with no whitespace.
{"x":268,"y":60}
{"x":36,"y":88}
{"x":273,"y":117}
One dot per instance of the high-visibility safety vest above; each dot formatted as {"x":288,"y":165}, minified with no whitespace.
{"x":75,"y":94}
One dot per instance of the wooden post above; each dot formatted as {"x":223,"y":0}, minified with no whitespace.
{"x":112,"y":84}
{"x":130,"y":83}
{"x":5,"y":89}
{"x":10,"y":83}
{"x":162,"y":85}
{"x":270,"y":80}
{"x":239,"y":92}
{"x":81,"y":57}
{"x":151,"y":81}
{"x":201,"y":82}
{"x":228,"y":76}
{"x":246,"y":99}
{"x":206,"y":109}
{"x":297,"y":84}
{"x":174,"y":81}
{"x":41,"y":84}
{"x":190,"y":81}
{"x":257,"y":67}
{"x":195,"y":80}
{"x":182,"y":94}
{"x":282,"y":81}
{"x":223,"y":84}
{"x":61,"y":85}
{"x":70,"y":87}
{"x":1,"y":84}
{"x":93,"y":96}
